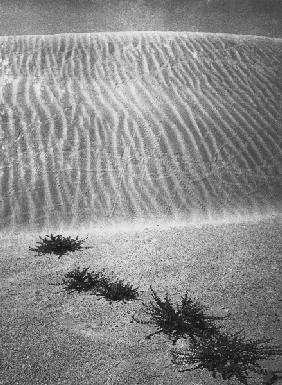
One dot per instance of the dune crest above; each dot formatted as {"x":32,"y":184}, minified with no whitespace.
{"x":126,"y":125}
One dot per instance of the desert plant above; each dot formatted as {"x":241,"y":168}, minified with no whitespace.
{"x":57,"y":244}
{"x":186,"y":320}
{"x":83,"y":280}
{"x":117,"y":290}
{"x":99,"y":284}
{"x":225,"y":355}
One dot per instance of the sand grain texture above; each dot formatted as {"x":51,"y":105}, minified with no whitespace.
{"x":50,"y":337}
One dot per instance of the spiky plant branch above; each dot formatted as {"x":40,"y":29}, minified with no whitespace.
{"x":187,"y":320}
{"x":83,"y":280}
{"x":58,"y":245}
{"x":226,"y":355}
{"x":99,"y":284}
{"x":117,"y":290}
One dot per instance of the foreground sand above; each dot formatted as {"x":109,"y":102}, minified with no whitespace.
{"x":50,"y":337}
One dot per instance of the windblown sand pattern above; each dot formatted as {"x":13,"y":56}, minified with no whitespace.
{"x":125,"y":125}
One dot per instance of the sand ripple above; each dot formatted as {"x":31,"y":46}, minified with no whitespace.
{"x":121,"y":125}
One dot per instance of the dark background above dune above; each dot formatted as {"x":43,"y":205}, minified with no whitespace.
{"x":256,"y":17}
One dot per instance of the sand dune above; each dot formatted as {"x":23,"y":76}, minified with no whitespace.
{"x":125,"y":125}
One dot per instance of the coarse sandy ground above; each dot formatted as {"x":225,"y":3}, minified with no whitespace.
{"x":51,"y":337}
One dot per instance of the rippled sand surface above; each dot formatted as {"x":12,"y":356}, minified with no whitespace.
{"x":126,"y":125}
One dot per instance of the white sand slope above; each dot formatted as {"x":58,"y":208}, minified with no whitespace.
{"x":121,"y":125}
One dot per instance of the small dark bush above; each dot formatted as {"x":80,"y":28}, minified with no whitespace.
{"x":58,"y":245}
{"x":186,"y":320}
{"x":99,"y":284}
{"x":118,"y":291}
{"x":83,"y":280}
{"x":225,"y":355}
